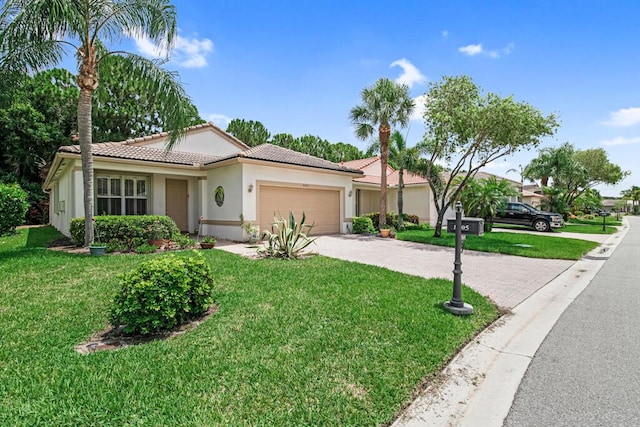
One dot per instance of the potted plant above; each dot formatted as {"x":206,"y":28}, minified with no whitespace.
{"x":208,"y":242}
{"x":156,"y":233}
{"x":96,"y":248}
{"x":384,"y":232}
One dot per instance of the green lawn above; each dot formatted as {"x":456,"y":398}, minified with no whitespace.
{"x":571,"y":227}
{"x":543,"y":245}
{"x":311,"y":342}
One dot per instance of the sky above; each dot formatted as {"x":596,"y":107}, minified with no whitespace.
{"x":298,"y":67}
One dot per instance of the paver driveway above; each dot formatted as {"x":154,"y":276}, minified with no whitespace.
{"x":506,"y":279}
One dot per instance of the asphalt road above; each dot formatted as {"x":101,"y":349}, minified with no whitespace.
{"x":587,"y":371}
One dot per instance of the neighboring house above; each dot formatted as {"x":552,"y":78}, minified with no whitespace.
{"x":209,"y":174}
{"x":417,"y":196}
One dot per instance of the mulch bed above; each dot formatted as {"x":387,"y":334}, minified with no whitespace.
{"x":112,"y":338}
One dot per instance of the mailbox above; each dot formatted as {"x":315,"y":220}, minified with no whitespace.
{"x":474,"y":226}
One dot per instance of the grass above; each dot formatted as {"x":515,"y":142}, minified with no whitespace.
{"x":521,"y":244}
{"x":311,"y":342}
{"x":571,"y":227}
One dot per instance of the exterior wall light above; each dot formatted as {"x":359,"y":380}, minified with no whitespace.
{"x":250,"y":188}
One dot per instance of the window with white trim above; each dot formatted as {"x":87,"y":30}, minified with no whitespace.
{"x":122,"y":195}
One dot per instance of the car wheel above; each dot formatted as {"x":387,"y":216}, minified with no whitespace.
{"x":541,"y":225}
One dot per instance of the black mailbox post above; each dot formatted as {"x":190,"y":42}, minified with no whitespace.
{"x":473,"y":226}
{"x":456,"y":305}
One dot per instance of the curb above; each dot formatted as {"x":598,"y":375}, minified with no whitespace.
{"x":479,"y":384}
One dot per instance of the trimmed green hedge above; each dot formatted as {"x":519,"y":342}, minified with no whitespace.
{"x":126,"y":231}
{"x":362,"y":225}
{"x":13,"y":207}
{"x":392,"y":219}
{"x":162,"y":294}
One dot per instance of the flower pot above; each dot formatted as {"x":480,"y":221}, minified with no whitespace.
{"x":97,"y":250}
{"x":207,"y":245}
{"x":384,"y":232}
{"x":157,"y":242}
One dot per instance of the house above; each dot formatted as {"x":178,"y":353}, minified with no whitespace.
{"x":417,"y":196}
{"x":210,"y":174}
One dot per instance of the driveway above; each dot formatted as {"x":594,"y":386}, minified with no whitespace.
{"x":507,"y":280}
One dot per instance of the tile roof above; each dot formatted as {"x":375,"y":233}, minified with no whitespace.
{"x":360,"y":163}
{"x":276,"y":154}
{"x":393,"y":179}
{"x":119,"y":150}
{"x":485,"y":175}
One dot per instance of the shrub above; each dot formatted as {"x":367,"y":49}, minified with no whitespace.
{"x":362,"y":225}
{"x":288,"y":239}
{"x":145,"y":248}
{"x":13,"y":207}
{"x":392,"y":219}
{"x":126,"y":231}
{"x":163,"y":293}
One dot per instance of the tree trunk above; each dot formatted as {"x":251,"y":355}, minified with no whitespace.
{"x":400,"y":197}
{"x":88,"y":82}
{"x":84,"y":133}
{"x":439,"y":221}
{"x":384,"y":134}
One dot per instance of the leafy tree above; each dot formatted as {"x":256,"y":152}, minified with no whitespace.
{"x":285,"y":140}
{"x":123,"y":109}
{"x":384,"y":104}
{"x":35,"y":35}
{"x":588,"y":201}
{"x":633,"y":194}
{"x":250,"y":132}
{"x":467,"y":130}
{"x":482,"y":198}
{"x":574,"y":171}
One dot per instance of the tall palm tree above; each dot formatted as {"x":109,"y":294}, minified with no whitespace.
{"x":403,"y":159}
{"x":384,"y":104}
{"x":36,"y":34}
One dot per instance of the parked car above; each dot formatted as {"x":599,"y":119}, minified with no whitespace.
{"x":518,"y":213}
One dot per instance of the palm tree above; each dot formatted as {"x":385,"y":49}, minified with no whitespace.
{"x":632,"y":194}
{"x":385,"y":104}
{"x":36,"y":34}
{"x":483,"y":197}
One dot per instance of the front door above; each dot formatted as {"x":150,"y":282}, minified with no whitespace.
{"x":176,"y":202}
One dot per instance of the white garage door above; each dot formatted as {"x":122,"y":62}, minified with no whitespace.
{"x":320,"y":206}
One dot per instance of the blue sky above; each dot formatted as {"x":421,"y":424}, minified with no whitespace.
{"x":299,"y":66}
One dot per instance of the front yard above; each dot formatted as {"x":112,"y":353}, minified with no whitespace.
{"x":311,"y":342}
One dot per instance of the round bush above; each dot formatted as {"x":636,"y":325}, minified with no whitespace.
{"x":13,"y":207}
{"x":163,"y":293}
{"x":363,"y":225}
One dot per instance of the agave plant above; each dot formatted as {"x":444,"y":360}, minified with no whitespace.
{"x":287,"y":239}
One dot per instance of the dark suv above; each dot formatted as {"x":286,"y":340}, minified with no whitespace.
{"x":518,"y":213}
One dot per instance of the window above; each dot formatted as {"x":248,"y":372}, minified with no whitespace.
{"x":121,"y":195}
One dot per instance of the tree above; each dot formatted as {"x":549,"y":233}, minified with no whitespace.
{"x":250,"y":132}
{"x":384,"y":104}
{"x":574,"y":171}
{"x":466,"y":130}
{"x":35,"y":34}
{"x":482,"y":198}
{"x":633,"y":194}
{"x":123,"y":109}
{"x":402,"y":158}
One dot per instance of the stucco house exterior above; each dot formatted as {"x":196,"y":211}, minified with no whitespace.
{"x":210,"y":174}
{"x":417,"y":196}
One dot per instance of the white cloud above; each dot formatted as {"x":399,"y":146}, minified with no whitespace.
{"x":186,"y":52}
{"x":418,"y":111}
{"x":219,"y":120}
{"x":624,"y":117}
{"x":445,"y":34}
{"x":621,"y":140}
{"x":477,"y":49}
{"x":410,"y":74}
{"x":471,"y":50}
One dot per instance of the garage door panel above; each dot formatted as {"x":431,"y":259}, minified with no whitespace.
{"x":320,"y":206}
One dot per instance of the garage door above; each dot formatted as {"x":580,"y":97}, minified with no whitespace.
{"x":320,"y":206}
